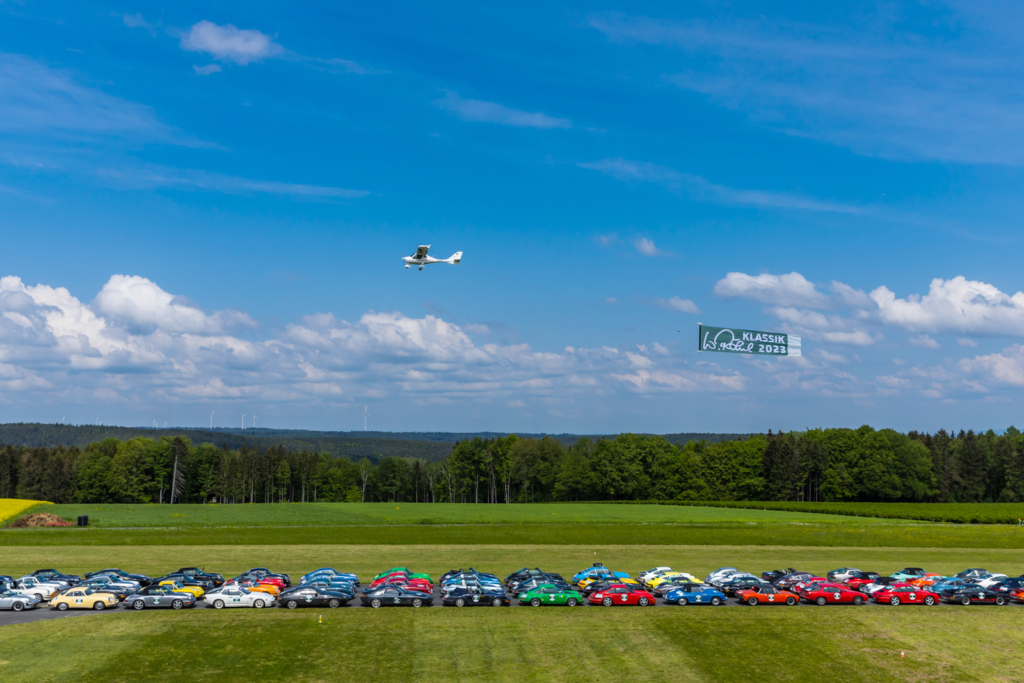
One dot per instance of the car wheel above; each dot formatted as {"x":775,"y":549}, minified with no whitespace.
{"x":929,"y":600}
{"x":258,"y":604}
{"x":965,"y":601}
{"x":417,"y":603}
{"x":752,"y":601}
{"x":643,"y":602}
{"x":535,"y":602}
{"x":607,"y":602}
{"x":894,"y":600}
{"x":139,"y":604}
{"x":17,"y":607}
{"x":496,"y":602}
{"x":292,"y":604}
{"x":63,"y":606}
{"x":375,"y":603}
{"x":682,"y":601}
{"x":716,"y":601}
{"x":99,"y":606}
{"x":571,"y":602}
{"x":460,"y":602}
{"x":790,"y":601}
{"x":857,"y":600}
{"x":334,"y":603}
{"x":1000,"y":600}
{"x":177,"y":604}
{"x":218,"y":604}
{"x":820,"y":601}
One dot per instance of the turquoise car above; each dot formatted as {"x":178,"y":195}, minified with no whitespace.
{"x":908,"y":573}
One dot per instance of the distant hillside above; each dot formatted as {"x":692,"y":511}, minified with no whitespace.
{"x":430,"y":446}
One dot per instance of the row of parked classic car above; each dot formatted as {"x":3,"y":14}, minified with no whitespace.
{"x":596,"y":585}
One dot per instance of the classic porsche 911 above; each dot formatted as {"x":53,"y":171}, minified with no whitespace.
{"x":621,"y":594}
{"x":905,"y":594}
{"x":549,"y":594}
{"x":310,"y":596}
{"x":695,"y":594}
{"x":829,"y":593}
{"x":766,"y":595}
{"x":17,"y":602}
{"x":159,"y":596}
{"x":395,"y":596}
{"x":475,"y":596}
{"x":234,"y":596}
{"x":83,"y":598}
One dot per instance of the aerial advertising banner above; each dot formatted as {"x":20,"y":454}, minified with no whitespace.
{"x":733,"y":340}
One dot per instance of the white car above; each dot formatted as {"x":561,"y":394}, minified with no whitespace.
{"x":31,"y":585}
{"x":644,"y":577}
{"x":238,"y":597}
{"x":719,"y":580}
{"x":990,"y":580}
{"x":842,"y":574}
{"x":724,"y":571}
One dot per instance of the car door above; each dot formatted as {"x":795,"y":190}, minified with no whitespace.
{"x":768,"y":594}
{"x":232,"y":598}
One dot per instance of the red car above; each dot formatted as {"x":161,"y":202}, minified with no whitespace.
{"x":272,"y":581}
{"x":899,"y":593}
{"x":825,"y":593}
{"x":621,"y":594}
{"x":860,"y":579}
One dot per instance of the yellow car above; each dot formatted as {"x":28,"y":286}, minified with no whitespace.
{"x":669,"y":576}
{"x":176,"y":587}
{"x":83,"y":598}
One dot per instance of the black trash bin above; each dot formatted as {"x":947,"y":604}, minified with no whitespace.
{"x":83,"y":520}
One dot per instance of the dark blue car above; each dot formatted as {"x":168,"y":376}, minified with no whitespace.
{"x":695,"y":594}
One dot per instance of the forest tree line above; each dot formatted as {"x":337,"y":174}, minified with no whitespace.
{"x":816,"y":465}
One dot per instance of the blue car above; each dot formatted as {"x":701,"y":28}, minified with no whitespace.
{"x":599,"y":573}
{"x":695,"y":594}
{"x":945,"y":587}
{"x":328,"y":572}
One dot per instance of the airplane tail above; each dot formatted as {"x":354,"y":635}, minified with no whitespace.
{"x":456,"y":257}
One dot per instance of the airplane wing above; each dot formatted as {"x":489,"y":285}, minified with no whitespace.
{"x":422,"y":250}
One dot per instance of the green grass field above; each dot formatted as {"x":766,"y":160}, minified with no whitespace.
{"x":958,"y":513}
{"x":333,"y":514}
{"x":943,"y":643}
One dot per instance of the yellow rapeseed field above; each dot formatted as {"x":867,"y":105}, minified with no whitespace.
{"x":12,"y":507}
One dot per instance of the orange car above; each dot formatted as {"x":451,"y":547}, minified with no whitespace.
{"x":925,"y":580}
{"x":254,"y":587}
{"x":1017,"y":595}
{"x":767,"y":595}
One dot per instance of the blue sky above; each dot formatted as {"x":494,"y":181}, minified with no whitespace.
{"x":203,"y":208}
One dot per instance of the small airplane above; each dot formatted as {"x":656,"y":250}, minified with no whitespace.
{"x":421,"y":259}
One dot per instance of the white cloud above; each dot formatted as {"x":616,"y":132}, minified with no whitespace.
{"x":138,"y":343}
{"x":207,"y":70}
{"x":143,"y":307}
{"x":641,"y":171}
{"x":492,"y":112}
{"x":967,"y":342}
{"x":186,"y":179}
{"x":229,"y":43}
{"x":676,"y":304}
{"x":611,"y":300}
{"x":782,"y":290}
{"x":923,"y":341}
{"x":954,"y":306}
{"x":646,"y":246}
{"x":1006,"y":367}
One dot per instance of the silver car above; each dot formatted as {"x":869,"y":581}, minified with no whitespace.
{"x":16,"y":601}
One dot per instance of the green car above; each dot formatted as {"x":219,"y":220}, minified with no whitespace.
{"x":550,"y":595}
{"x":403,"y":570}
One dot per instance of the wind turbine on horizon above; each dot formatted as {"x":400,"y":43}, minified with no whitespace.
{"x":366,"y":414}
{"x":243,"y":420}
{"x":211,"y":419}
{"x":254,"y":420}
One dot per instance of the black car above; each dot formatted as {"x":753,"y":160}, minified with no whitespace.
{"x":104,"y":587}
{"x":53,"y":574}
{"x":475,"y":596}
{"x":263,"y":572}
{"x":311,"y":596}
{"x":216,"y":579}
{"x":974,"y":595}
{"x":776,"y":574}
{"x":524,"y":574}
{"x":538,"y":577}
{"x":395,"y":596}
{"x":596,"y":586}
{"x":863,"y":576}
{"x":142,"y":579}
{"x":730,"y":587}
{"x":323,"y":584}
{"x":664,"y":587}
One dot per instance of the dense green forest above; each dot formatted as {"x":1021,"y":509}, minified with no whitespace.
{"x":428,"y":446}
{"x":816,"y":465}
